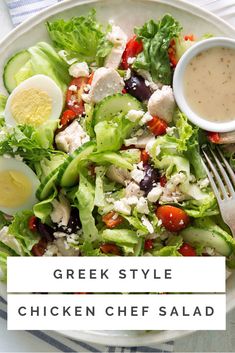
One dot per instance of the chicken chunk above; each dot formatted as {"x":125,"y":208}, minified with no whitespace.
{"x":71,"y":138}
{"x":106,"y":82}
{"x":119,"y":39}
{"x":162,"y":103}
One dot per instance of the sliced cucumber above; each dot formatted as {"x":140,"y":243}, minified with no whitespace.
{"x":113,"y":105}
{"x":12,"y":67}
{"x":120,"y":236}
{"x":68,"y":174}
{"x":212,"y":238}
{"x":46,"y":187}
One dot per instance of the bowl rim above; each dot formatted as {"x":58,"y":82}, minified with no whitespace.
{"x":178,"y":83}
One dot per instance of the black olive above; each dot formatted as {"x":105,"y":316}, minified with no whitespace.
{"x":151,"y":177}
{"x":136,"y":86}
{"x":45,"y":231}
{"x":74,"y":223}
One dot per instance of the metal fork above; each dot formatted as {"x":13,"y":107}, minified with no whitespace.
{"x":222,"y":180}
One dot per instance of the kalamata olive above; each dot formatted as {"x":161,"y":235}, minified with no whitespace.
{"x":136,"y":86}
{"x":45,"y":231}
{"x":150,"y":178}
{"x":74,"y":223}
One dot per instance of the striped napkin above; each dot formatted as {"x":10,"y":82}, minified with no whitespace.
{"x":50,"y":341}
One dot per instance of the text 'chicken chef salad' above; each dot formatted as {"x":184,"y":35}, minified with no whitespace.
{"x":96,"y":158}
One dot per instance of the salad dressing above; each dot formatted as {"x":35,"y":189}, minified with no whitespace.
{"x":209,"y":84}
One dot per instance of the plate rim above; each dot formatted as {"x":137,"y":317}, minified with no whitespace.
{"x":98,"y":337}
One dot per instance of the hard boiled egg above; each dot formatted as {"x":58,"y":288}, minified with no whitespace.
{"x":34,"y":101}
{"x":18,"y":186}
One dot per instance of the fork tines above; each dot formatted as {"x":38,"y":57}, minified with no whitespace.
{"x":219,"y":172}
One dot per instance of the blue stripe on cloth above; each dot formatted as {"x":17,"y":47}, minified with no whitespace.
{"x":3,"y":314}
{"x":30,"y":12}
{"x":19,"y":3}
{"x":22,"y":9}
{"x":52,"y":341}
{"x":2,"y":300}
{"x":150,"y":349}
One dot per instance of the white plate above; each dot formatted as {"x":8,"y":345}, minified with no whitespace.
{"x":127,"y":14}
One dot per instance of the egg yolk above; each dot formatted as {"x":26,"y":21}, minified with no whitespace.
{"x":15,"y":189}
{"x":31,"y":107}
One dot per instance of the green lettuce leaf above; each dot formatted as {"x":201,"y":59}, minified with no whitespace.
{"x":156,"y":37}
{"x":197,"y":208}
{"x":8,"y":241}
{"x":167,"y":251}
{"x":30,"y":143}
{"x":171,"y":248}
{"x":43,"y":209}
{"x":47,"y":165}
{"x":84,"y":200}
{"x":44,"y":60}
{"x":20,"y":231}
{"x":81,"y":37}
{"x":3,"y":221}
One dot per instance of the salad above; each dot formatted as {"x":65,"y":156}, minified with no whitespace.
{"x":96,"y":159}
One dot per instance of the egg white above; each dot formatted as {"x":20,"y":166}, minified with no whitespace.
{"x":11,"y":164}
{"x":43,"y":83}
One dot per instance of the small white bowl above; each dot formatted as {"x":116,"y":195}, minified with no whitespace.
{"x":178,"y":84}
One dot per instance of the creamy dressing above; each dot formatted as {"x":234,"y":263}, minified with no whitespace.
{"x":209,"y":84}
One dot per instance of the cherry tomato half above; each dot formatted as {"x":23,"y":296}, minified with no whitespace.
{"x":157,"y":126}
{"x":110,"y":249}
{"x":74,"y":95}
{"x":187,"y":250}
{"x":173,"y":218}
{"x":214,"y":137}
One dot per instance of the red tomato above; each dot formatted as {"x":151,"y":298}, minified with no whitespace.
{"x":124,"y":91}
{"x":148,"y":245}
{"x":112,"y":219}
{"x":172,"y":54}
{"x":32,"y":224}
{"x":173,"y":218}
{"x":133,"y":48}
{"x":157,"y":126}
{"x":214,"y":137}
{"x":189,"y":37}
{"x":187,"y":250}
{"x":110,"y":249}
{"x":74,"y":96}
{"x":144,"y":156}
{"x":163,"y":180}
{"x":67,"y":117}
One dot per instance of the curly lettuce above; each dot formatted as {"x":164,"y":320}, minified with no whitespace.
{"x":81,"y":37}
{"x":156,"y":38}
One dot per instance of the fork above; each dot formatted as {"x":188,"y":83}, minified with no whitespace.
{"x":222,"y":180}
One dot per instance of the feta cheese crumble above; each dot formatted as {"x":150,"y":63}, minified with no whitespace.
{"x":134,"y":115}
{"x":79,"y":70}
{"x":155,"y":193}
